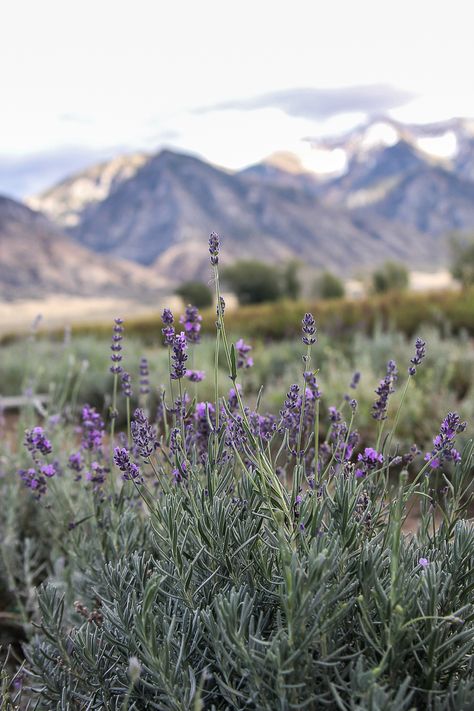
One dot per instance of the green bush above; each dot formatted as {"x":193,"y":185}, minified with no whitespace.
{"x":328,"y":286}
{"x":253,"y":282}
{"x":462,"y":265}
{"x":391,"y":276}
{"x":195,"y":293}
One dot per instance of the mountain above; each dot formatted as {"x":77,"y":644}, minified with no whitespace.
{"x":37,"y":258}
{"x":65,"y":202}
{"x":162,"y":214}
{"x":403,"y":189}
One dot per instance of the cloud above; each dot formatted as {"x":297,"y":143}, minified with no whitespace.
{"x":21,"y":176}
{"x":321,"y":104}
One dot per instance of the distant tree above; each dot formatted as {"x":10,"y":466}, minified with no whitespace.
{"x":462,"y":260}
{"x":291,"y":286}
{"x":195,"y":293}
{"x":253,"y":282}
{"x":328,"y":286}
{"x":390,"y":276}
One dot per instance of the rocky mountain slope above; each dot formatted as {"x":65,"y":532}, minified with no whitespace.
{"x":404,"y":188}
{"x":37,"y":258}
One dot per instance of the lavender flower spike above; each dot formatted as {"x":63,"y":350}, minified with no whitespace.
{"x":420,"y":352}
{"x":309,"y":329}
{"x":444,"y":441}
{"x":116,"y":347}
{"x":191,"y":321}
{"x":214,"y":246}
{"x":142,"y":434}
{"x":122,"y":460}
{"x":385,"y":388}
{"x":179,"y":356}
{"x":168,"y":328}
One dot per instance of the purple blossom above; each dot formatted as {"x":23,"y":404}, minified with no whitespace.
{"x":143,"y":434}
{"x":384,"y":390}
{"x":195,"y":376}
{"x":420,"y":352}
{"x":36,"y":441}
{"x":243,"y":359}
{"x":368,"y":461}
{"x":124,"y":463}
{"x":424,"y":562}
{"x":191,"y":320}
{"x":96,"y":475}
{"x":214,"y":246}
{"x":308,"y":329}
{"x":76,"y":462}
{"x":126,"y":384}
{"x":34,"y":481}
{"x":168,"y":328}
{"x":92,"y":428}
{"x":116,"y":347}
{"x":144,"y":376}
{"x":180,"y":473}
{"x":355,"y":380}
{"x":179,"y":356}
{"x":312,"y":391}
{"x":48,"y":470}
{"x":444,"y":442}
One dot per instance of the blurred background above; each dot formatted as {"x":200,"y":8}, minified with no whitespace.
{"x":331,"y":145}
{"x":327,"y":141}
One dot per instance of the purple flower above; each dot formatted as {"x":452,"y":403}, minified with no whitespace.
{"x":420,"y":352}
{"x":123,"y":462}
{"x":92,"y":428}
{"x":76,"y":462}
{"x":48,"y":470}
{"x":214,"y":246}
{"x":424,"y":562}
{"x":384,"y":390}
{"x":243,"y":359}
{"x":312,"y":391}
{"x":96,"y":475}
{"x":36,"y":441}
{"x":191,"y":320}
{"x":168,"y":328}
{"x":195,"y":376}
{"x":116,"y":347}
{"x":368,"y":461}
{"x":444,"y":441}
{"x":144,"y":376}
{"x":143,"y":435}
{"x":34,"y":481}
{"x":179,"y":356}
{"x":308,"y":329}
{"x":355,"y":380}
{"x":126,"y":384}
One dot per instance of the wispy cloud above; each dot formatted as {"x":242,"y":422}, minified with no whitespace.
{"x":21,"y":176}
{"x":321,"y":104}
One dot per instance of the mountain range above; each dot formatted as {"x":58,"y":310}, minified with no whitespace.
{"x":404,"y":188}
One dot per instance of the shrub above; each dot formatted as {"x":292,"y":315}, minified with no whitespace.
{"x":195,"y":292}
{"x":391,"y":276}
{"x":328,"y":286}
{"x":462,"y":265}
{"x":253,"y":282}
{"x":219,"y":557}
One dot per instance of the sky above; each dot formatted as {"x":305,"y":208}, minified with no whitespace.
{"x":231,"y":82}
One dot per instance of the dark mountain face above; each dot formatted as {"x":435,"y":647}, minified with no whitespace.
{"x":37,"y":258}
{"x":171,"y":204}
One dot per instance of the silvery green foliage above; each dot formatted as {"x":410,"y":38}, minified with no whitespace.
{"x":224,"y":607}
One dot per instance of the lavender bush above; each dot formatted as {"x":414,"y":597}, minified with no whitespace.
{"x":217,"y":556}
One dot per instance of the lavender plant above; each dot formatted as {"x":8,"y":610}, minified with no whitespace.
{"x":224,"y":558}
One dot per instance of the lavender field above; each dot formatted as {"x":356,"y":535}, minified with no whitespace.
{"x":213,"y":522}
